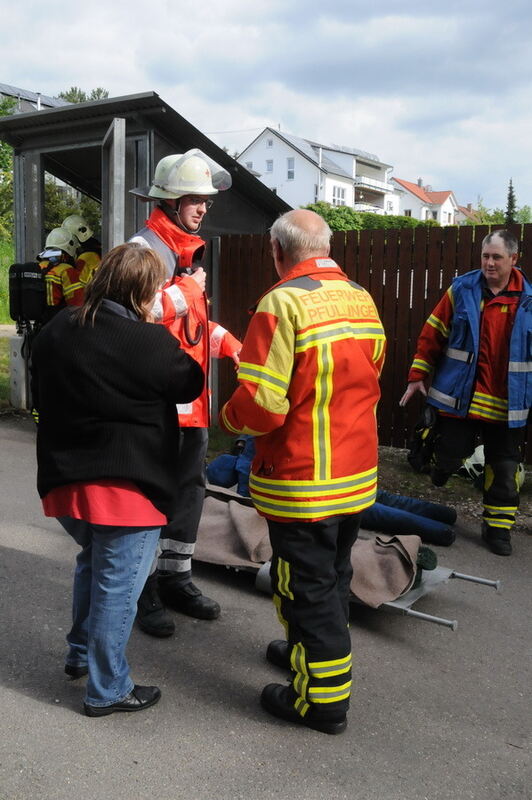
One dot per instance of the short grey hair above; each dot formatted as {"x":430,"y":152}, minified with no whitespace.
{"x":298,"y":242}
{"x":510,"y":242}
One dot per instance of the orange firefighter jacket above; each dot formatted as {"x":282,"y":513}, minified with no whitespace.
{"x":63,"y":285}
{"x":308,"y":390}
{"x":183,"y":309}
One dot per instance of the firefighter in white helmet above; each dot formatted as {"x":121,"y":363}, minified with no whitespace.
{"x":61,"y":275}
{"x":183,"y":187}
{"x":89,"y":253}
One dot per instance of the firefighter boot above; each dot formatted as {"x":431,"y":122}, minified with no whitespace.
{"x":278,"y":653}
{"x":185,"y":597}
{"x":152,"y":616}
{"x":497,"y":539}
{"x":279,"y":700}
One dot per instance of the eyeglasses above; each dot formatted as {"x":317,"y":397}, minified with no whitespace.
{"x":199,"y":201}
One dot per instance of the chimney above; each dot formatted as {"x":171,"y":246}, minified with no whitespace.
{"x":39,"y":106}
{"x":420,"y":182}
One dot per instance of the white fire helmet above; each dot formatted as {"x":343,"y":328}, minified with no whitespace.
{"x":61,"y":239}
{"x":78,"y":226}
{"x":188,"y":173}
{"x":473,"y":467}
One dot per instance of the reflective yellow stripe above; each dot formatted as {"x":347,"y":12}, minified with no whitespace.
{"x":283,"y":578}
{"x":419,"y":363}
{"x":301,"y":706}
{"x":298,"y":659}
{"x":502,"y":509}
{"x":311,"y":488}
{"x":312,"y":337}
{"x":305,"y":510}
{"x":277,"y":603}
{"x":321,"y":421}
{"x":490,"y":400}
{"x":484,"y":413}
{"x":495,"y":523}
{"x":436,"y":323}
{"x":329,"y":694}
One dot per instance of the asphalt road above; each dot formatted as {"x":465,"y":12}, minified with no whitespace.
{"x":435,"y":715}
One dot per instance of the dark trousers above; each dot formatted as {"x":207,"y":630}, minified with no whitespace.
{"x":456,"y":439}
{"x":311,"y":573}
{"x":178,"y":538}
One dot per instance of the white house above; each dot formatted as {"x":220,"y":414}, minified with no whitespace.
{"x":302,"y":171}
{"x":420,"y":202}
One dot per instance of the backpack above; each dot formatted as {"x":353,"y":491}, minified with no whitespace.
{"x":27,"y":293}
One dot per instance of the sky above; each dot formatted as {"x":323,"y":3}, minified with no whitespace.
{"x":440,"y":90}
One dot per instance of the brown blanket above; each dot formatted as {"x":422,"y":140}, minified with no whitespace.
{"x":233,"y":534}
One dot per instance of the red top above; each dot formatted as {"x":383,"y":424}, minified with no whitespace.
{"x":105,"y":502}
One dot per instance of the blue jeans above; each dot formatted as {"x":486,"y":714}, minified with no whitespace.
{"x":111,"y":570}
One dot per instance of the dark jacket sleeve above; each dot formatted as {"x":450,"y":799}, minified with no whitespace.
{"x":185,"y":376}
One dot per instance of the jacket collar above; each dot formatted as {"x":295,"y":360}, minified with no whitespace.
{"x":175,"y":238}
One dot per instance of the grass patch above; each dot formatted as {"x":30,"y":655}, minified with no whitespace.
{"x":6,"y":259}
{"x":4,"y":373}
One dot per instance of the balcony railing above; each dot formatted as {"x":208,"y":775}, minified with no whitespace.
{"x":372,"y":183}
{"x":368,"y":207}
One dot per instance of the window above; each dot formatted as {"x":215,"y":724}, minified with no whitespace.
{"x":249,"y":164}
{"x":269,"y":166}
{"x":434,"y":215}
{"x":290,"y":168}
{"x":449,"y":217}
{"x":338,"y":198}
{"x":407,"y":212}
{"x":269,"y":142}
{"x":315,"y":192}
{"x":389,"y":206}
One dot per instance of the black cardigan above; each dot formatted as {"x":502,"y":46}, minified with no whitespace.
{"x":106,"y":398}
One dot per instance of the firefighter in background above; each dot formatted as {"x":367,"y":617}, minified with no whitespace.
{"x":308,"y":391}
{"x":62,"y":276}
{"x":89,"y":251}
{"x":182,"y":187}
{"x":473,"y":363}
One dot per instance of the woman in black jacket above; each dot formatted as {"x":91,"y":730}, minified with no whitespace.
{"x":105,"y":382}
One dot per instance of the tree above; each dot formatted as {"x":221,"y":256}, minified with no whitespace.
{"x":77,"y":95}
{"x":509,"y":217}
{"x":524,"y":215}
{"x":6,"y":176}
{"x":344,"y":218}
{"x":59,"y":202}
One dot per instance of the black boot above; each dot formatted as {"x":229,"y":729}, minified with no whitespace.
{"x":152,"y":616}
{"x":278,"y":653}
{"x":497,"y":539}
{"x":278,"y":700}
{"x":185,"y":597}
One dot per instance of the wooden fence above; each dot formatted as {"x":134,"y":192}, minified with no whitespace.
{"x":406,"y":271}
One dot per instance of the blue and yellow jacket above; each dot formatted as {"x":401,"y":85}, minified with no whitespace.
{"x":308,"y":390}
{"x":479,"y":351}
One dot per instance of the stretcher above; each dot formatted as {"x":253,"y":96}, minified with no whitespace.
{"x":430,"y":581}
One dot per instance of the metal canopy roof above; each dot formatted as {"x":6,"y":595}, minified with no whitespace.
{"x":69,"y":139}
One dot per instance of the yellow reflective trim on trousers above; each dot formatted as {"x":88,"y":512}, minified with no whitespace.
{"x":335,"y":662}
{"x":300,"y":684}
{"x":493,"y":523}
{"x":298,"y":659}
{"x":301,"y":706}
{"x":332,"y":694}
{"x":277,"y":604}
{"x":283,"y":578}
{"x":308,"y":488}
{"x":502,"y":509}
{"x":437,"y":323}
{"x":321,"y":420}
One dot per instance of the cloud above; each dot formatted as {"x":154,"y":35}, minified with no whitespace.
{"x":437,"y":91}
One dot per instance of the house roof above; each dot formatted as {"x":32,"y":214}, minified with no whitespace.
{"x":32,"y":97}
{"x":79,"y":122}
{"x":311,"y":150}
{"x":470,"y":213}
{"x":429,"y":197}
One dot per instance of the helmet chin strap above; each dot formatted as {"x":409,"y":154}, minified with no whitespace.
{"x":173,"y":214}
